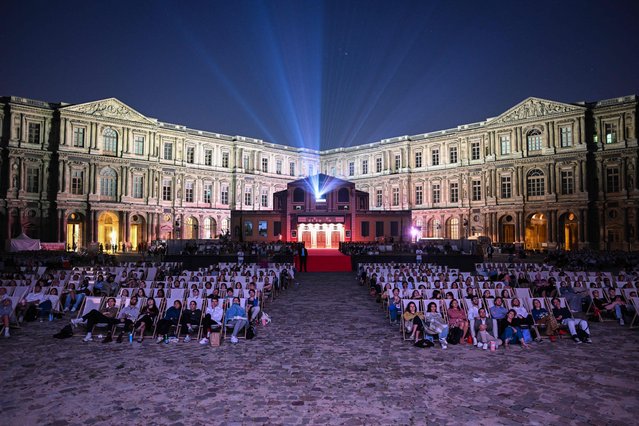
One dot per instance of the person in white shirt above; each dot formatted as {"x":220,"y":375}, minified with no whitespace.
{"x":525,"y":317}
{"x":213,"y":319}
{"x":473,"y":313}
{"x":128,"y":315}
{"x":34,"y":300}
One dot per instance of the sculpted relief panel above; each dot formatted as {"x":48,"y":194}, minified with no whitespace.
{"x":533,"y":108}
{"x":110,"y":109}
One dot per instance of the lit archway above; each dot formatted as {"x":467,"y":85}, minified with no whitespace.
{"x":507,"y":224}
{"x":452,"y":228}
{"x":191,"y":228}
{"x":108,"y":230}
{"x":75,"y":231}
{"x":137,"y":231}
{"x":569,"y":224}
{"x":536,"y":231}
{"x":210,"y":228}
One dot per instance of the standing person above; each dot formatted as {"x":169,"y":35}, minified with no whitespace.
{"x":303,"y":259}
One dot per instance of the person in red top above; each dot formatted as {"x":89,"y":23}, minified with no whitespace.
{"x":457,"y":318}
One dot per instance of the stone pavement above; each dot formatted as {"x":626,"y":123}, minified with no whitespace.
{"x":329,"y":357}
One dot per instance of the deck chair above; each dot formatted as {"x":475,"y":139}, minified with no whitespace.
{"x":634,"y":323}
{"x":201,"y":305}
{"x":405,"y":303}
{"x":227,"y":328}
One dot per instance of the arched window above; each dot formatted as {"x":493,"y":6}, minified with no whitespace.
{"x":535,"y":183}
{"x":108,"y":182}
{"x":343,"y":196}
{"x":453,"y":228}
{"x":298,"y":195}
{"x":225,"y":226}
{"x":436,"y":228}
{"x":209,"y":228}
{"x":534,"y":140}
{"x":110,"y":141}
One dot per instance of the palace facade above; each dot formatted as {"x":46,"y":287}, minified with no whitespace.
{"x":543,"y":173}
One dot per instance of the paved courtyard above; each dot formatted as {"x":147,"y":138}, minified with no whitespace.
{"x":329,"y":357}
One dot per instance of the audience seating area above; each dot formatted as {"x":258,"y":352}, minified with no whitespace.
{"x":164,"y":282}
{"x":423,"y":283}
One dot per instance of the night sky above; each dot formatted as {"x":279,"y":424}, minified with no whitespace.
{"x":319,"y":74}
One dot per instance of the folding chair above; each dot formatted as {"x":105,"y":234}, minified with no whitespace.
{"x":242,"y":333}
{"x":418,"y":308}
{"x":635,"y":319}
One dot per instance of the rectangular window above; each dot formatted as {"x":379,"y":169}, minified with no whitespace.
{"x":434,"y":154}
{"x":265,"y":165}
{"x":610,"y":130}
{"x":208,"y":157}
{"x":436,"y":193}
{"x":419,"y":195}
{"x":452,"y":155}
{"x":77,"y":182}
{"x":291,"y":168}
{"x":394,"y":231}
{"x":395,"y":196}
{"x":188,"y":192}
{"x":78,"y":137}
{"x":364,"y":167}
{"x":265,"y":198}
{"x":398,"y":162}
{"x":278,"y":167}
{"x":534,"y":141}
{"x":566,"y":136}
{"x":248,"y":228}
{"x":138,"y":186}
{"x":208,"y":193}
{"x":34,"y":133}
{"x":138,"y":145}
{"x":612,"y":179}
{"x":476,"y":190}
{"x":535,"y":184}
{"x":277,"y":228}
{"x":504,"y":143}
{"x":248,"y":197}
{"x":378,"y":165}
{"x":506,"y":187}
{"x":366,"y":231}
{"x":379,"y":229}
{"x":474,"y":151}
{"x":167,"y":189}
{"x":262,"y":228}
{"x":168,"y":150}
{"x":225,"y":160}
{"x":351,"y":168}
{"x":33,"y":180}
{"x":246,"y":162}
{"x":454,"y":192}
{"x":418,"y":159}
{"x":224,"y":195}
{"x":378,"y":198}
{"x":567,"y":182}
{"x":190,"y":154}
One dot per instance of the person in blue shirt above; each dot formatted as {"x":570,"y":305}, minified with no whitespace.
{"x":236,"y":318}
{"x":498,"y":313}
{"x":171,"y":317}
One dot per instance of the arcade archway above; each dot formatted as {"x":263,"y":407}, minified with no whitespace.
{"x":569,"y":224}
{"x":108,"y":229}
{"x":536,"y":231}
{"x":191,"y":228}
{"x":137,"y":231}
{"x":75,"y":231}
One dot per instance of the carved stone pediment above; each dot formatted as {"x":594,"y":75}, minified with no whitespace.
{"x":110,"y":108}
{"x":533,"y":108}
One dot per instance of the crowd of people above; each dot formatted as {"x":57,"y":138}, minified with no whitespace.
{"x":499,"y":304}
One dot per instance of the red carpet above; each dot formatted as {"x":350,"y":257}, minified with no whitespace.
{"x":325,"y":260}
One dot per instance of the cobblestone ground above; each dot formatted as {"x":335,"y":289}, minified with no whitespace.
{"x":329,"y":357}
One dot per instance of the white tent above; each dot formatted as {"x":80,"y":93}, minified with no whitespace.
{"x":23,"y":243}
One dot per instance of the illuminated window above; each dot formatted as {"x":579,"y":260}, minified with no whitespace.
{"x":110,"y":141}
{"x":535,"y":183}
{"x":566,"y":136}
{"x":476,"y":190}
{"x":77,"y":182}
{"x":534,"y":140}
{"x":610,"y":130}
{"x":78,"y":137}
{"x":138,"y":145}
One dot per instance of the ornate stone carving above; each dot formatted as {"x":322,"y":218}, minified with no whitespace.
{"x":110,"y":108}
{"x":533,"y":108}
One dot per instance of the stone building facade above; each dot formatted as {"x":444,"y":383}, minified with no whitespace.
{"x":542,"y":173}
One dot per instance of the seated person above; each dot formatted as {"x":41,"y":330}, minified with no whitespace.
{"x":213,"y":319}
{"x":541,"y":316}
{"x":127,"y":316}
{"x":395,"y":306}
{"x":457,"y":318}
{"x":498,"y":313}
{"x":434,"y":324}
{"x":512,"y":330}
{"x":484,"y":330}
{"x":618,"y":306}
{"x":236,"y":318}
{"x":413,"y":321}
{"x":147,"y":317}
{"x":525,"y":318}
{"x":574,"y":295}
{"x":107,"y":315}
{"x":171,"y":318}
{"x":28,"y":307}
{"x":191,"y":318}
{"x":252,"y":306}
{"x":473,"y":312}
{"x":564,"y":316}
{"x":6,"y":308}
{"x":73,"y":299}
